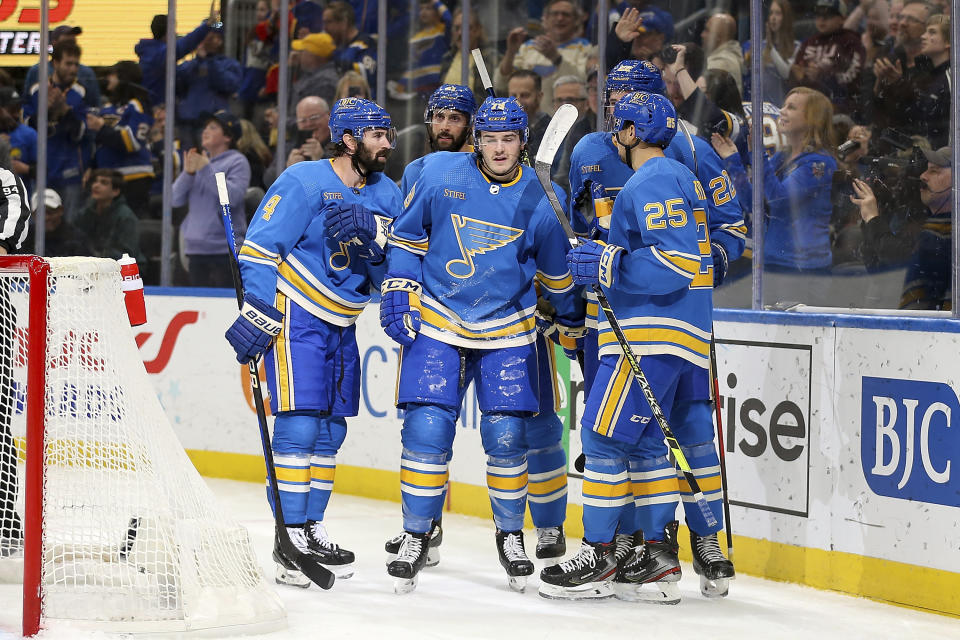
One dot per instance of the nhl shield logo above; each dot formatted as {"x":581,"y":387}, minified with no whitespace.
{"x":494,"y":189}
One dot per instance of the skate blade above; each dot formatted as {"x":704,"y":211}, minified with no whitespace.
{"x":549,"y":562}
{"x":433,"y":556}
{"x":651,"y":592}
{"x":291,"y":578}
{"x":718,"y":588}
{"x":341,"y":571}
{"x":589,"y":591}
{"x":390,"y":558}
{"x":403,"y":586}
{"x":517,"y":583}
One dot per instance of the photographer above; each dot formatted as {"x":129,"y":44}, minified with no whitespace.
{"x":891,"y":240}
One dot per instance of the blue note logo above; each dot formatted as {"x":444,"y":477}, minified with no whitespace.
{"x":477,"y":237}
{"x":340,"y":260}
{"x":908,"y":440}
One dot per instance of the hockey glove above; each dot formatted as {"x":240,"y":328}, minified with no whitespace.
{"x":594,"y":263}
{"x":571,"y":339}
{"x":400,"y":308}
{"x":252,"y":332}
{"x":602,"y":208}
{"x":720,"y":263}
{"x":355,"y":223}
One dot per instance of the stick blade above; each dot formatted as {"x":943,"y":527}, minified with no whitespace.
{"x":557,"y":130}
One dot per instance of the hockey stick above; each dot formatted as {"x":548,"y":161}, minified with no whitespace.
{"x":721,"y":445}
{"x":316,"y":572}
{"x":482,"y":70}
{"x":557,"y":130}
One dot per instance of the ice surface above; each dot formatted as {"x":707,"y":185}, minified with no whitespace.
{"x":466,"y":595}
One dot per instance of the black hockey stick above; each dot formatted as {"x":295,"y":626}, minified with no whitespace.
{"x":721,"y":445}
{"x":316,"y":572}
{"x":557,"y":130}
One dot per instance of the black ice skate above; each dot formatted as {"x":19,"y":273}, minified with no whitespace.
{"x":288,"y":572}
{"x":585,"y":576}
{"x":711,"y":565}
{"x":551,"y":545}
{"x":339,"y":561}
{"x":411,"y":558}
{"x":392,"y":546}
{"x":514,"y":558}
{"x":651,"y":573}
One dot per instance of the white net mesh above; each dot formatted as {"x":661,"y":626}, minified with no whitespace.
{"x":132,"y":535}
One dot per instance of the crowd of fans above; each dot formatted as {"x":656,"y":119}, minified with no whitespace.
{"x":857,"y":175}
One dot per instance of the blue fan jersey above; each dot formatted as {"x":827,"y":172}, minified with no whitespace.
{"x":124,"y":146}
{"x":287,"y":249}
{"x":662,"y":290}
{"x":476,"y":247}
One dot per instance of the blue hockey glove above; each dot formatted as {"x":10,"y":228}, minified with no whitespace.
{"x":252,"y":332}
{"x":355,"y":223}
{"x":400,"y":308}
{"x":571,"y":339}
{"x":720,"y":263}
{"x":594,"y":263}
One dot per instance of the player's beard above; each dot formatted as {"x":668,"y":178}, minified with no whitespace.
{"x":366,"y":163}
{"x":455,"y":145}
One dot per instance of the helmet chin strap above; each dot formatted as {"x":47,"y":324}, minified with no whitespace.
{"x":628,"y":147}
{"x":356,"y":165}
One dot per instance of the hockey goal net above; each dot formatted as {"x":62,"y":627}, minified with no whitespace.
{"x":102,"y":513}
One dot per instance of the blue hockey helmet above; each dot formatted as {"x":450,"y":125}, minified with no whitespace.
{"x":356,"y":115}
{"x":500,"y":114}
{"x":636,"y":75}
{"x":451,"y":96}
{"x":653,"y":117}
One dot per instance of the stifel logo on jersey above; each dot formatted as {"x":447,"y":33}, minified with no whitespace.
{"x":908,"y":440}
{"x":477,"y":238}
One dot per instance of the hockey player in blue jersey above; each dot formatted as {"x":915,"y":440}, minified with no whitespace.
{"x":655,"y":269}
{"x":313,"y":251}
{"x":598,"y":172}
{"x":459,"y":296}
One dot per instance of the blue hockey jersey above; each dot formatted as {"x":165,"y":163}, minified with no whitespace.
{"x":476,"y":247}
{"x":124,"y":145}
{"x":287,"y":249}
{"x":662,"y":290}
{"x":595,"y":159}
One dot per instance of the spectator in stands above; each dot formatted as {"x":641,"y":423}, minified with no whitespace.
{"x":352,"y":85}
{"x":109,"y":224}
{"x":85,"y":75}
{"x":797,"y":185}
{"x":639,"y":35}
{"x":929,"y":269}
{"x":569,"y":90}
{"x":205,"y":84}
{"x":66,"y":124}
{"x":451,"y":66}
{"x":313,"y":134}
{"x":204,"y":244}
{"x":314,"y":71}
{"x":875,"y":16}
{"x":918,"y":101}
{"x":427,"y":47}
{"x":354,"y":49}
{"x":255,"y":150}
{"x":911,"y":23}
{"x":831,"y":60}
{"x":122,"y":129}
{"x":60,"y":238}
{"x":559,"y":51}
{"x":778,"y":50}
{"x":586,"y":123}
{"x":152,"y":52}
{"x":525,"y":86}
{"x":257,"y":59}
{"x":720,"y":43}
{"x":22,"y":139}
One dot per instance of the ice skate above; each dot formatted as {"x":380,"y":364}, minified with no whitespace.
{"x":514,"y":559}
{"x":711,"y":565}
{"x":329,"y":554}
{"x":411,"y":558}
{"x":651,"y":572}
{"x":392,"y":546}
{"x":551,"y":545}
{"x":585,"y":576}
{"x":287,"y":572}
